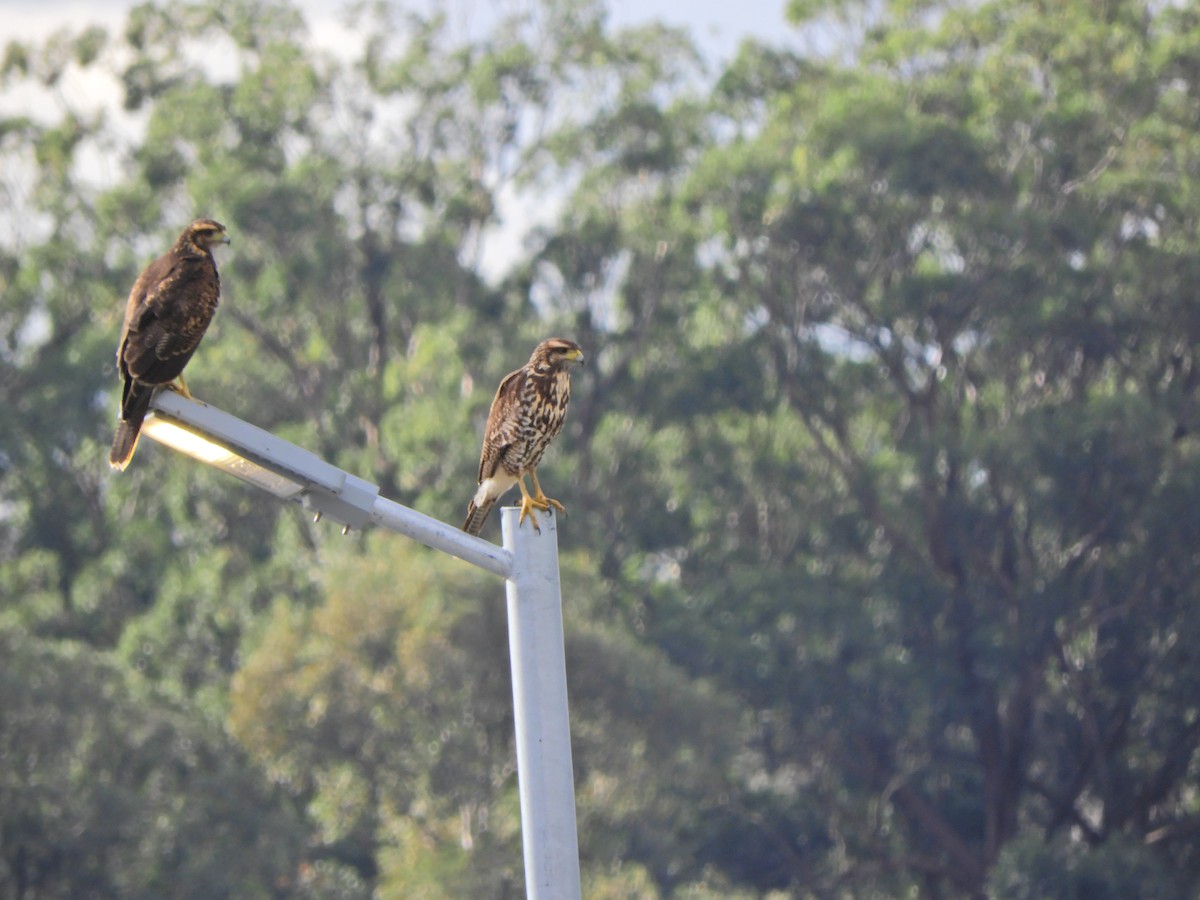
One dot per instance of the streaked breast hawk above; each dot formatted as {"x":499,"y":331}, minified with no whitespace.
{"x":526,"y":416}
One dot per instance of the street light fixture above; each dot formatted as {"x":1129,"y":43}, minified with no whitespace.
{"x":289,"y":472}
{"x":198,"y":447}
{"x":528,"y":561}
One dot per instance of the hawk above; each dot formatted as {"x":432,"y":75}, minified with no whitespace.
{"x":526,"y":416}
{"x":168,"y":311}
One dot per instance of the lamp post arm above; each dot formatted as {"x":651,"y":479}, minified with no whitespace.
{"x":294,"y":474}
{"x":441,"y":536}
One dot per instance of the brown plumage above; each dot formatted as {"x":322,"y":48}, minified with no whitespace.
{"x":169,"y":309}
{"x":526,"y":416}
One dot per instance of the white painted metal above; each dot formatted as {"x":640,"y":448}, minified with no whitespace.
{"x":248,"y":440}
{"x":441,"y":536}
{"x":539,"y":677}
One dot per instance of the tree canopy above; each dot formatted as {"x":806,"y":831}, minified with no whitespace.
{"x":880,"y":567}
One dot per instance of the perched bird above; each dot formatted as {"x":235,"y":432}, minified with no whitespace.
{"x":526,"y":416}
{"x":169,"y":309}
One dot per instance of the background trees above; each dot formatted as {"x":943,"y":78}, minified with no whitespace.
{"x":881,"y":547}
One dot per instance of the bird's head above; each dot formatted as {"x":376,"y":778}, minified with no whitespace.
{"x":556,"y":354}
{"x":204,"y":234}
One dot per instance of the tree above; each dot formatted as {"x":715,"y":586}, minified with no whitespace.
{"x":110,"y":789}
{"x":355,"y":320}
{"x":942,"y":419}
{"x":387,"y":712}
{"x":881,"y":474}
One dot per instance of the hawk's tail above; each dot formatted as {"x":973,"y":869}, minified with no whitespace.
{"x":476,"y":516}
{"x":130,"y":427}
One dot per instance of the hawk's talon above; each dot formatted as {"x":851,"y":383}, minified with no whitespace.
{"x":527,"y":509}
{"x":180,"y":387}
{"x":539,"y":496}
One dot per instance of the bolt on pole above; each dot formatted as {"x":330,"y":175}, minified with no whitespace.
{"x":539,"y":678}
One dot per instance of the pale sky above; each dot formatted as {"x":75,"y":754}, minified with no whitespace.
{"x":718,"y":26}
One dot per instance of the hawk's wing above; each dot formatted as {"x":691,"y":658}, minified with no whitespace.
{"x":502,"y":423}
{"x":169,"y":309}
{"x":143,"y":291}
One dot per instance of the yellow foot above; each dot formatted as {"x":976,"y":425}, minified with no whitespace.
{"x":540,"y":500}
{"x":528,"y":504}
{"x":179,"y":386}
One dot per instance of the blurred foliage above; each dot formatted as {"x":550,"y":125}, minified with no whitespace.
{"x":881,"y":557}
{"x":110,"y":790}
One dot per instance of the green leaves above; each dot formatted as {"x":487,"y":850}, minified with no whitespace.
{"x":109,"y":787}
{"x":879,"y":563}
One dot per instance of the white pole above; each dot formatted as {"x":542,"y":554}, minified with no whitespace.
{"x":539,"y":679}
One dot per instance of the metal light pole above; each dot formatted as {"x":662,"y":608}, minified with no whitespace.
{"x":528,"y":561}
{"x":539,"y":679}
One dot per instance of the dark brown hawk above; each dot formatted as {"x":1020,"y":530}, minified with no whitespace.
{"x":168,"y":311}
{"x":526,"y":416}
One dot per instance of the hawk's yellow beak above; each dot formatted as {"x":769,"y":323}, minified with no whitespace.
{"x":574,"y":356}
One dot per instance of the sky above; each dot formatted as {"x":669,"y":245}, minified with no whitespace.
{"x":718,"y":26}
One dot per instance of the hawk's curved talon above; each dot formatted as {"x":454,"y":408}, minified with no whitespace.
{"x":179,"y":386}
{"x":528,"y":505}
{"x":527,"y":509}
{"x":540,"y":500}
